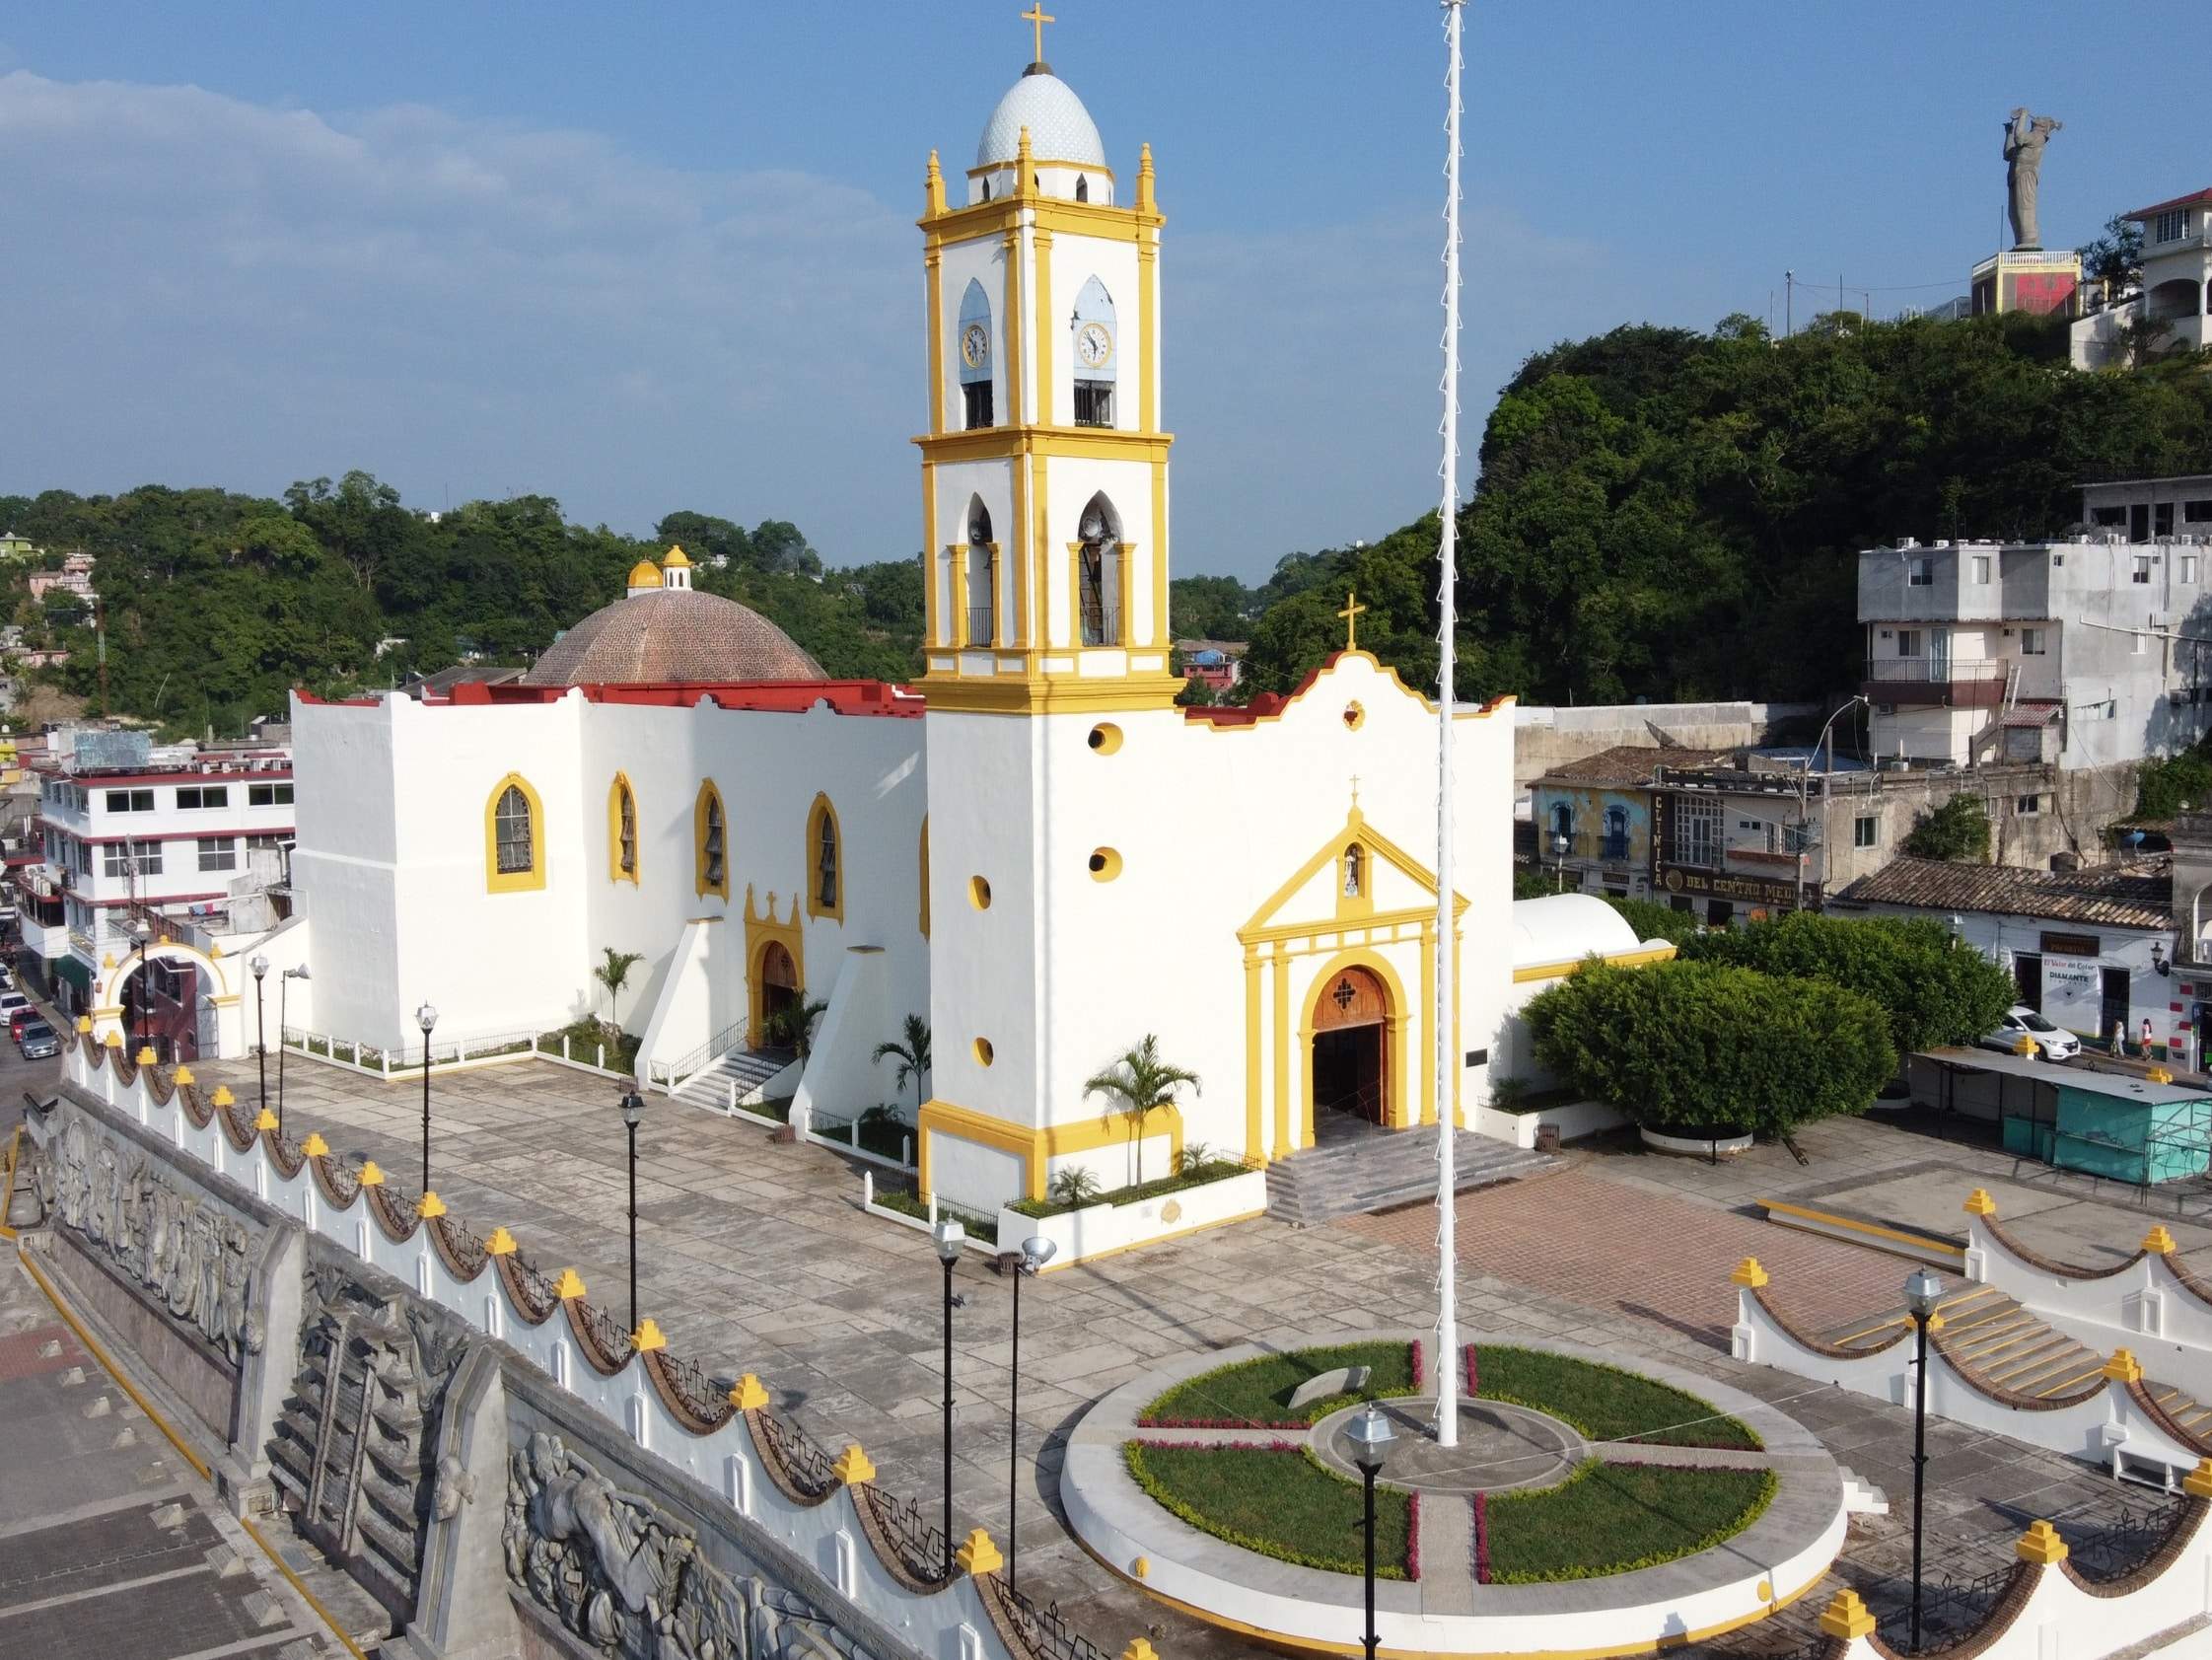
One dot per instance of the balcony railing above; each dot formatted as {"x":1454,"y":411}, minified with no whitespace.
{"x":1933,"y":671}
{"x":1610,"y":850}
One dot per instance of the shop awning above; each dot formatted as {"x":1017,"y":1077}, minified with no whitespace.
{"x":71,"y":967}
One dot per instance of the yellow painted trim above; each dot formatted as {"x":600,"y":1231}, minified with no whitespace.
{"x":1036,"y":438}
{"x":1255,"y":1148}
{"x":1050,"y":694}
{"x":1127,"y":584}
{"x":1041,"y":242}
{"x":1875,"y":1230}
{"x":1503,"y":705}
{"x":519,"y":880}
{"x":924,"y":862}
{"x":1025,"y":628}
{"x":1011,"y":314}
{"x":617,"y":793}
{"x":1330,"y":854}
{"x":701,"y":886}
{"x":933,"y":269}
{"x":1089,"y":1136}
{"x":1309,"y":1645}
{"x":1034,"y":1147}
{"x":1282,"y":1043}
{"x":930,"y":620}
{"x":958,"y":552}
{"x":1616,"y":959}
{"x":825,"y":809}
{"x":1162,"y":623}
{"x":975,"y":221}
{"x":1075,"y":596}
{"x":1152,"y":1239}
{"x":1041,"y":508}
{"x":1395,"y":1027}
{"x":760,"y":931}
{"x":1043,"y":161}
{"x":1148,"y":324}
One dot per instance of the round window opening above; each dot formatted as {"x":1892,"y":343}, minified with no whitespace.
{"x":1105,"y":738}
{"x":980,"y":892}
{"x":984,"y":1054}
{"x":1105,"y":864}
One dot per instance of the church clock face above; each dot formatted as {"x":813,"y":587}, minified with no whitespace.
{"x":1094,"y":344}
{"x":976,"y":345}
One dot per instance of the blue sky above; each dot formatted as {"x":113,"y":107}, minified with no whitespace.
{"x":652,"y":256}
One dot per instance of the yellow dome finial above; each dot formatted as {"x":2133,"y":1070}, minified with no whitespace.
{"x":933,"y":188}
{"x":676,"y":557}
{"x":644,"y":574}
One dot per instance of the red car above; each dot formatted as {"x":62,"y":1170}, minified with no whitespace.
{"x":19,"y":1018}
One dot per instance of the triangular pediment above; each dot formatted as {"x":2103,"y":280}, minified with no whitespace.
{"x":1393,"y":886}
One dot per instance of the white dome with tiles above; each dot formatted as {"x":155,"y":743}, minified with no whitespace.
{"x":1061,"y":128}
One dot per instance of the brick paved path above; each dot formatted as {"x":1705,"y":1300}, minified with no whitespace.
{"x":1608,"y":1244}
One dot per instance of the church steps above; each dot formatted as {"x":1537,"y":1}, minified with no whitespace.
{"x":1383,"y":1170}
{"x":733,"y":1077}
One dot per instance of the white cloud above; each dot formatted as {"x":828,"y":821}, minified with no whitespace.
{"x":203,"y":290}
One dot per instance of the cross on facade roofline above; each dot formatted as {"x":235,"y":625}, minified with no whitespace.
{"x":1351,"y":615}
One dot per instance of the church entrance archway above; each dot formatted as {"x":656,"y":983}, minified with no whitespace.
{"x":1351,"y":1050}
{"x":779,"y":983}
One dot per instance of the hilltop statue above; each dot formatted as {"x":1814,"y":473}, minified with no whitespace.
{"x":2025,"y":138}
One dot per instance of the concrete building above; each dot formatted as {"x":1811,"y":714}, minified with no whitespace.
{"x":171,"y":846}
{"x":2172,"y":308}
{"x":1727,"y":833}
{"x":2080,"y":654}
{"x":2091,"y":948}
{"x":1546,"y":737}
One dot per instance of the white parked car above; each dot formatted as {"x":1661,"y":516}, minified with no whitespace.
{"x":2051,"y":1043}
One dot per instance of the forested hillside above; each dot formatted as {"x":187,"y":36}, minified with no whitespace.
{"x":1674,"y":515}
{"x":218,"y":604}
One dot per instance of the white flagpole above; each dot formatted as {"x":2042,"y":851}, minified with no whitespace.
{"x":1447,"y":1069}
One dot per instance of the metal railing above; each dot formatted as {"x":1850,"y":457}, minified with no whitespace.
{"x":1950,"y":1609}
{"x":697,"y":1391}
{"x":1933,"y":671}
{"x":1049,"y":1632}
{"x":920,"y":1544}
{"x":671,"y":1073}
{"x":2121,"y":1546}
{"x":810,"y":1469}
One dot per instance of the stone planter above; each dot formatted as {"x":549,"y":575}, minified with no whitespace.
{"x":1694,"y":1146}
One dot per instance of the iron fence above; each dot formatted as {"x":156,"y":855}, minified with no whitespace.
{"x":694,"y":1388}
{"x":801,"y":1457}
{"x":2123,"y":1544}
{"x":1950,"y":1608}
{"x":1048,"y":1631}
{"x":921,"y":1545}
{"x":604,"y":1333}
{"x":465,"y":1248}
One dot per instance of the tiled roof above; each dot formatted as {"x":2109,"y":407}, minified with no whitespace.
{"x":2113,"y":896}
{"x":2188,"y":200}
{"x":672,"y":636}
{"x":1629,"y":763}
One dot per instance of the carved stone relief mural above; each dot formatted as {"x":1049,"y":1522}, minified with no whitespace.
{"x":354,"y":1451}
{"x":626,"y":1577}
{"x":195,"y":1258}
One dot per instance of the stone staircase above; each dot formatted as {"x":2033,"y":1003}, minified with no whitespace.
{"x":1996,"y":1340}
{"x":1355,"y":1174}
{"x":741,"y":1070}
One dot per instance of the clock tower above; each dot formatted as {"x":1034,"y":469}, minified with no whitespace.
{"x":1045,"y":470}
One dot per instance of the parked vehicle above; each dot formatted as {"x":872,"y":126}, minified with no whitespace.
{"x":18,"y":1019}
{"x":37,"y":1041}
{"x":10,"y":1001}
{"x":2052,"y":1042}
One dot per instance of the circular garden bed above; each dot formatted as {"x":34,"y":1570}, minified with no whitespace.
{"x":1575,"y":1485}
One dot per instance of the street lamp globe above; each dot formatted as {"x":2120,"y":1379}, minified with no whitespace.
{"x":1923,"y":1290}
{"x":1037,"y":1251}
{"x":428,"y":1017}
{"x":951,"y":1238}
{"x":1369,"y":1436}
{"x":260,"y":967}
{"x":633,"y":1108}
{"x":1560,"y":844}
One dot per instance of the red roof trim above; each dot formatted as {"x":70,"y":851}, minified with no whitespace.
{"x":844,"y":697}
{"x":2188,"y":200}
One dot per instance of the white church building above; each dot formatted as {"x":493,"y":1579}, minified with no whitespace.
{"x":1035,"y":848}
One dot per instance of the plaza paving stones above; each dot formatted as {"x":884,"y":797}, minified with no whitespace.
{"x":755,"y":1256}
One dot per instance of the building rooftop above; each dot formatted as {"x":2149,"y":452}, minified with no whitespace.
{"x":2111,"y":896}
{"x":2125,"y":1086}
{"x":2189,"y":200}
{"x":673,"y":635}
{"x":1632,"y":764}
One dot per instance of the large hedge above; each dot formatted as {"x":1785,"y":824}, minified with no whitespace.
{"x":1933,"y":989}
{"x":1699,"y":1044}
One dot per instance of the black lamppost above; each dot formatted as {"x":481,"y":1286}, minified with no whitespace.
{"x":633,"y":1110}
{"x":1923,"y":1291}
{"x":283,"y":1014}
{"x":1037,"y":1251}
{"x":260,"y":968}
{"x":951,"y":1240}
{"x":427,"y":1017}
{"x":145,"y":936}
{"x":1369,"y":1436}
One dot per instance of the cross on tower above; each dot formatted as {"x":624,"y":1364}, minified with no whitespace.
{"x":1351,"y":615}
{"x":1037,"y":18}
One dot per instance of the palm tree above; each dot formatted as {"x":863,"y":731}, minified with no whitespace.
{"x":1137,"y":1083}
{"x":912,"y":1056}
{"x":614,"y":973}
{"x":794,"y":1023}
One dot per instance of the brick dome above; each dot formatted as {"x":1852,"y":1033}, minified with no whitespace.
{"x":673,"y":635}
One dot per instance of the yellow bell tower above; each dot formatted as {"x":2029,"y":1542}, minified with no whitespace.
{"x":1045,"y":470}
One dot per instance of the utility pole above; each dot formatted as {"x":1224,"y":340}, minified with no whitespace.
{"x":1788,"y":304}
{"x":100,"y":635}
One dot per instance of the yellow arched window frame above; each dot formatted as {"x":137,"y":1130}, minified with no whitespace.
{"x":925,"y":876}
{"x":514,"y":837}
{"x":824,"y":862}
{"x":710,"y":840}
{"x":621,"y":830}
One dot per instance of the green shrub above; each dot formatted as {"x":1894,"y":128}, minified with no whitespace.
{"x":1699,"y":1044}
{"x":1933,"y":989}
{"x":1655,"y":922}
{"x":1957,"y":830}
{"x":1278,"y":1501}
{"x":2164,"y":788}
{"x":1074,"y":1188}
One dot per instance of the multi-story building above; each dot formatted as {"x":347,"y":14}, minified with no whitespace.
{"x":2169,"y":309}
{"x":1730,"y":833}
{"x":148,"y":852}
{"x":2086,"y":653}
